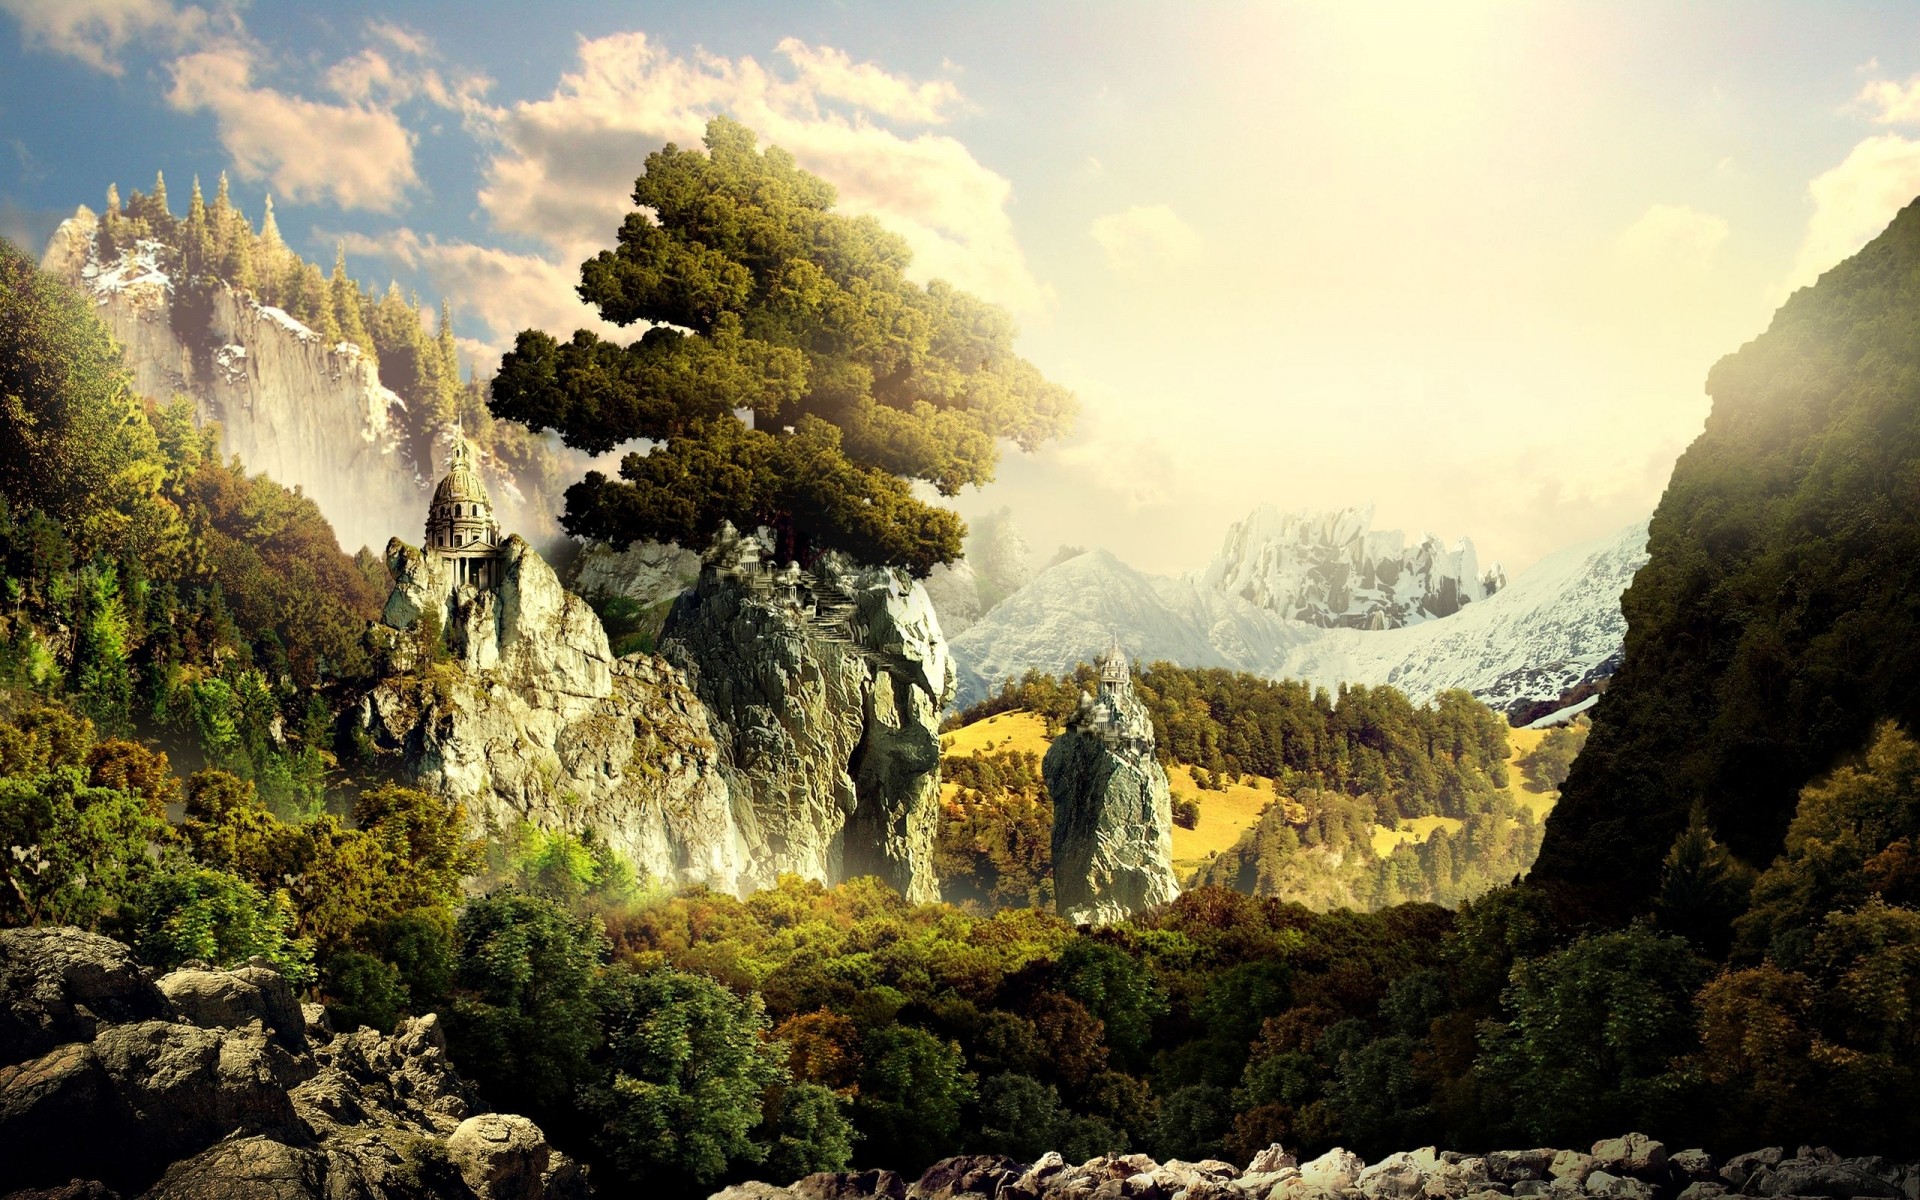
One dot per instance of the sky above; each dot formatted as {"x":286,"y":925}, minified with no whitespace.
{"x":1466,"y":262}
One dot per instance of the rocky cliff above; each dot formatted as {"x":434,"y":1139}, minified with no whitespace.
{"x":790,"y":723}
{"x":207,"y":1084}
{"x":311,"y":415}
{"x":1112,"y":810}
{"x":828,"y":686}
{"x":509,"y":700}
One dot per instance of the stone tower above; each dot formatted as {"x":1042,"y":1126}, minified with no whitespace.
{"x":1112,"y":806}
{"x":460,"y":525}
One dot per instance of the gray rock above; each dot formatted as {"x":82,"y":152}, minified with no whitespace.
{"x":41,"y":1103}
{"x":752,"y":1190}
{"x":1334,"y":1171}
{"x":1702,"y":1189}
{"x":1112,"y":807}
{"x":1401,"y":1176}
{"x":214,"y":999}
{"x":648,"y":573}
{"x":254,"y":1168}
{"x":73,"y":1189}
{"x":1272,"y":1159}
{"x":1692,"y":1164}
{"x":850,"y":1185}
{"x":1571,"y":1164}
{"x":1532,"y":1187}
{"x":182,"y":1088}
{"x":1636,"y":1154}
{"x":1606,"y":1185}
{"x":60,"y":984}
{"x":500,"y":1157}
{"x":950,"y":1178}
{"x":1736,"y":1169}
{"x":1818,"y":1177}
{"x":1516,"y":1166}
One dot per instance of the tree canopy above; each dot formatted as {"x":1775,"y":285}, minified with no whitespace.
{"x":762,"y":300}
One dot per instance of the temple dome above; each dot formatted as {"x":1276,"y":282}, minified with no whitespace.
{"x":462,"y":483}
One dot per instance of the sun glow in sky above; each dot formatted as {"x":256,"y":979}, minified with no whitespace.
{"x":1468,"y":262}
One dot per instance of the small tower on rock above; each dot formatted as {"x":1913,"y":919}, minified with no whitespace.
{"x":460,"y":525}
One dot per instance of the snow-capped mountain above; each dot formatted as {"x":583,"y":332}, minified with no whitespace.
{"x":1558,"y":624}
{"x":1333,"y":569}
{"x":1071,"y":611}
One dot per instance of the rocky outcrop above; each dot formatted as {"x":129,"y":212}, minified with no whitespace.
{"x":1632,"y":1168}
{"x":648,"y":573}
{"x":828,"y":686}
{"x":1112,"y":807}
{"x":517,"y":708}
{"x":312,"y":415}
{"x":789,"y":725}
{"x":208,"y":1084}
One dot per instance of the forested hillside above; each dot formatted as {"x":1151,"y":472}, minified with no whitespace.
{"x":1369,"y":801}
{"x":1774,"y":624}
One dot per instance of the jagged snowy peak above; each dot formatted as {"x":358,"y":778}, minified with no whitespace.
{"x":1333,"y":569}
{"x":1556,"y":626}
{"x":1071,"y":611}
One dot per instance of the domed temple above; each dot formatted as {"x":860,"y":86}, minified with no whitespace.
{"x":460,"y":525}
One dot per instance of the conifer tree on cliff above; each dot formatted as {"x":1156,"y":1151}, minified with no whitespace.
{"x":764,"y":300}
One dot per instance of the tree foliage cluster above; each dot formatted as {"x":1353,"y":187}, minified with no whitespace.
{"x":1773,"y":625}
{"x":761,"y":301}
{"x":1446,"y":758}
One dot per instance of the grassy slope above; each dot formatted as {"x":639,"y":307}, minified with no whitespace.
{"x":1224,"y":816}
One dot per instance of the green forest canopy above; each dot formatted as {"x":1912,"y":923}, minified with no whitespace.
{"x":761,"y":299}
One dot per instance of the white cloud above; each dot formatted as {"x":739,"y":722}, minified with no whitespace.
{"x":497,"y":293}
{"x":1671,"y":237}
{"x":1890,"y":103}
{"x":96,"y":31}
{"x":358,"y":154}
{"x":1854,"y":201}
{"x":565,"y":166}
{"x":1145,"y":240}
{"x":868,"y":86}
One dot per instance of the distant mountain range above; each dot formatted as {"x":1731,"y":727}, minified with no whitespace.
{"x":1556,"y":626}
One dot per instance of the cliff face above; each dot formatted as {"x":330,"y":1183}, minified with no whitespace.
{"x":531,"y":718}
{"x":1112,"y":812}
{"x":829,"y":686}
{"x":790,"y":724}
{"x":310,"y":415}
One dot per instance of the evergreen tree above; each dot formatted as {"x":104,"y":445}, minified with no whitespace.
{"x":760,"y":297}
{"x":232,"y":240}
{"x":343,"y":296}
{"x":196,"y":244}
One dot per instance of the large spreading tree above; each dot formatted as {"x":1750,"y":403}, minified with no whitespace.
{"x":762,"y":300}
